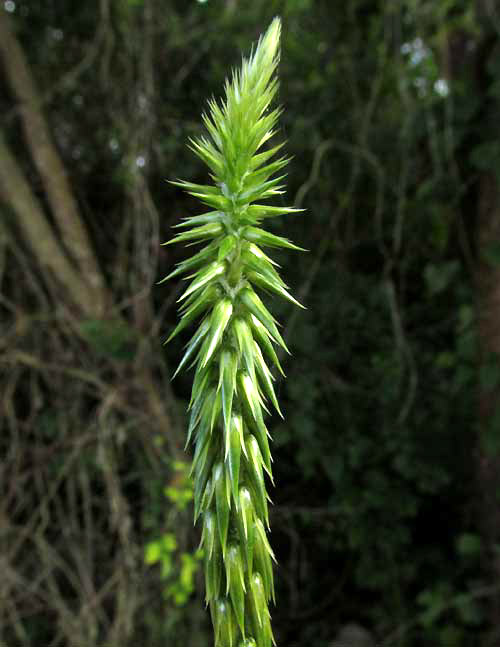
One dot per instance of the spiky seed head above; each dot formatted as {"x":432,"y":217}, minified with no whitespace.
{"x":233,"y":343}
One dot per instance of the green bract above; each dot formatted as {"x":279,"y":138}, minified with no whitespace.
{"x":234,"y":344}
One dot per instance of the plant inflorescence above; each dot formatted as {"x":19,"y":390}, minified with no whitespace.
{"x":234,"y":344}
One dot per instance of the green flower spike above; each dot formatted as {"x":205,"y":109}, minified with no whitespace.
{"x":233,"y":348}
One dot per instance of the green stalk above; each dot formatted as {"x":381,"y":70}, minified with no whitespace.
{"x":234,"y":343}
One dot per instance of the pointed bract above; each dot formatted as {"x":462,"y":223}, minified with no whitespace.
{"x":236,"y":583}
{"x":264,"y":338}
{"x":219,"y":478}
{"x":263,"y":237}
{"x":199,"y":305}
{"x":203,"y":277}
{"x":210,"y":230}
{"x":228,"y":367}
{"x":266,"y":378}
{"x":234,"y":454}
{"x":209,"y":534}
{"x":218,"y":322}
{"x":256,"y":477}
{"x":193,"y":345}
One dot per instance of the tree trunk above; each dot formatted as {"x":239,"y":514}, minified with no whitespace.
{"x":488,"y":284}
{"x":50,"y":168}
{"x":35,"y":229}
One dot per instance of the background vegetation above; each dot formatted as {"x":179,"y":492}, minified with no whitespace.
{"x":386,"y":512}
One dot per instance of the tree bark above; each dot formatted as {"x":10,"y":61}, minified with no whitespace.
{"x":33,"y":225}
{"x":488,"y":285}
{"x":49,"y":165}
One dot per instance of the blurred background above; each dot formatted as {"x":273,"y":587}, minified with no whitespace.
{"x":386,"y":516}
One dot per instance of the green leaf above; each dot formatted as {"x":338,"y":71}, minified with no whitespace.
{"x":166,"y":566}
{"x":168,"y":542}
{"x":153,"y":552}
